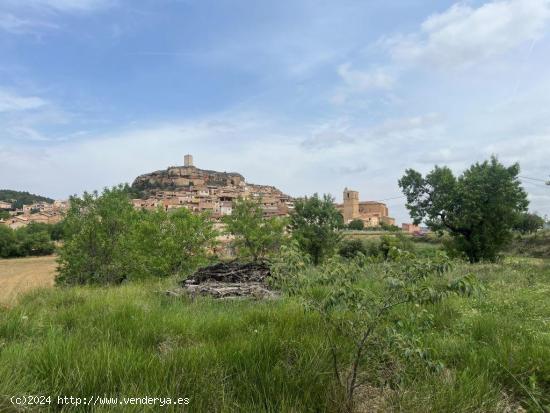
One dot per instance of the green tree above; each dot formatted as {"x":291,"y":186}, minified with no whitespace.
{"x":528,"y":223}
{"x":8,"y":243}
{"x":33,"y":242}
{"x":357,"y":225}
{"x":478,"y":208}
{"x":351,"y":248}
{"x":108,"y":241}
{"x":95,"y":228}
{"x":255,"y":236}
{"x":162,"y":243}
{"x":315,"y":224}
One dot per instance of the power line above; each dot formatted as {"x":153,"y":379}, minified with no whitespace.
{"x":389,"y":199}
{"x":533,"y":179}
{"x":536,"y":184}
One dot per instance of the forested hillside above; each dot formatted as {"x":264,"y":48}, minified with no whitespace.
{"x":20,"y":198}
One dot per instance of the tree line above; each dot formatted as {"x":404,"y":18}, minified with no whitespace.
{"x":31,"y":240}
{"x":107,"y":240}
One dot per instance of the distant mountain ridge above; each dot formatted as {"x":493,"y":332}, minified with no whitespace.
{"x":20,"y":198}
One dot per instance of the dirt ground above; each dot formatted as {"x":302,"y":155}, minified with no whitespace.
{"x":23,"y":274}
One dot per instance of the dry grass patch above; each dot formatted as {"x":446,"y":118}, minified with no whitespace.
{"x":18,"y":275}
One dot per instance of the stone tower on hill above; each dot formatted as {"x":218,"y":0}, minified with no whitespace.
{"x":188,"y":160}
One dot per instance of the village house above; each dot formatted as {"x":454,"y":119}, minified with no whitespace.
{"x":410,"y":228}
{"x":5,"y":205}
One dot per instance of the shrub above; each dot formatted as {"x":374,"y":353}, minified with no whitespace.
{"x":33,"y":239}
{"x":8,"y":246}
{"x":357,"y":225}
{"x":362,"y":325}
{"x":398,"y":241}
{"x":315,"y":225}
{"x":255,"y":236}
{"x":352,"y":247}
{"x":108,"y":241}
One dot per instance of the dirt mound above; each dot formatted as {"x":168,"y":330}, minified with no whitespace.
{"x":231,"y":280}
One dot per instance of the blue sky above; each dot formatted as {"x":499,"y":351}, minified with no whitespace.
{"x":310,"y":96}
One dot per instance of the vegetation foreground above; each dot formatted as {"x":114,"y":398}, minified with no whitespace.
{"x":487,"y":353}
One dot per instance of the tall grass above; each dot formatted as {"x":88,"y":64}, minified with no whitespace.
{"x":272,"y":356}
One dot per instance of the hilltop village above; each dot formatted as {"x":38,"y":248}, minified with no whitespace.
{"x":201,"y":190}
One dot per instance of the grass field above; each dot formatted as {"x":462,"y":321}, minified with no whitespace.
{"x":20,"y":275}
{"x":247,"y":356}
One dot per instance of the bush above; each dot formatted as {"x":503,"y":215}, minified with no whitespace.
{"x":381,"y":248}
{"x":398,"y":241}
{"x":357,"y":225}
{"x":315,"y":225}
{"x":33,"y":239}
{"x":108,"y":241}
{"x":351,"y":248}
{"x":8,"y":246}
{"x":365,"y":317}
{"x":255,"y":236}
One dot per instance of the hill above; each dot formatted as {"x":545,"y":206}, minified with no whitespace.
{"x":182,"y":177}
{"x":205,"y":190}
{"x":20,"y":198}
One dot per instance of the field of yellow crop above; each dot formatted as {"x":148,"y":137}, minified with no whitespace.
{"x":19,"y":275}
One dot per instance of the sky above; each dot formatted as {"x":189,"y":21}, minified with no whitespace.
{"x":309,"y":96}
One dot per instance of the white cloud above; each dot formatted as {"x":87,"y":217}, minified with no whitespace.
{"x":13,"y":24}
{"x":11,"y":102}
{"x":463,"y":35}
{"x":359,"y":80}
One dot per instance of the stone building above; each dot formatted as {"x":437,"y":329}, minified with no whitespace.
{"x":410,"y":228}
{"x":372,"y":213}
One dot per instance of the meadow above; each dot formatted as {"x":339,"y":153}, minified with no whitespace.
{"x":493,"y":350}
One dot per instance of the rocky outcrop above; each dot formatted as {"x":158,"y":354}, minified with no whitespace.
{"x":181,"y":177}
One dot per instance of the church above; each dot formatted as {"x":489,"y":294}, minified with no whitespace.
{"x":372,"y":213}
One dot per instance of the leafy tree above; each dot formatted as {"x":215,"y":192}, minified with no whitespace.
{"x":4,"y":214}
{"x":315,"y":224}
{"x":255,"y":236}
{"x":34,"y":243}
{"x":478,"y":208}
{"x":529,"y":223}
{"x":163,"y":243}
{"x":33,"y":239}
{"x":357,"y":225}
{"x":108,"y":241}
{"x":351,"y":248}
{"x":57,"y":231}
{"x":8,"y":246}
{"x":96,"y":227}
